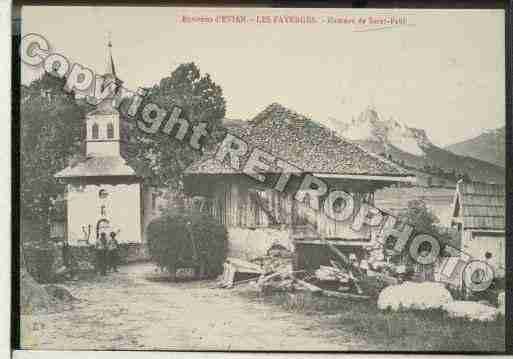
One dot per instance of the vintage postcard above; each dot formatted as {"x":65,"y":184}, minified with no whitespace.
{"x":261,"y":179}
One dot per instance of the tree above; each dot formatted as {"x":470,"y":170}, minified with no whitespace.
{"x":201,"y":100}
{"x":50,"y":126}
{"x":421,"y":217}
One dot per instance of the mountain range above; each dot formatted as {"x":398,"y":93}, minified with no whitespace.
{"x":479,"y":159}
{"x":488,"y":146}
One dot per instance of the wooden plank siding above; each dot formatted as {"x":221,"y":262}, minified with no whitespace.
{"x":235,"y":206}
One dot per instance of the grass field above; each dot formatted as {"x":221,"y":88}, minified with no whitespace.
{"x":397,"y":331}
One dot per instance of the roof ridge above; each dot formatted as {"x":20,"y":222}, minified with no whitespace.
{"x":279,"y":107}
{"x":306,"y":143}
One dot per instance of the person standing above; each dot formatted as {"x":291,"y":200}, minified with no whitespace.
{"x":66,"y":261}
{"x":101,"y":254}
{"x":113,"y":252}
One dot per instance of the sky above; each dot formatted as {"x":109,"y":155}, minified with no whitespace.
{"x":444,"y":71}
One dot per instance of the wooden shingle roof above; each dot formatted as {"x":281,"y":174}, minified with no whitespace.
{"x":482,"y":205}
{"x":301,"y":142}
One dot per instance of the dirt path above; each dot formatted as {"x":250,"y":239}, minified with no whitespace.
{"x":125,"y":311}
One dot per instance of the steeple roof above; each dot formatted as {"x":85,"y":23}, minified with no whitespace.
{"x":110,"y":72}
{"x":111,"y":69}
{"x":106,"y":107}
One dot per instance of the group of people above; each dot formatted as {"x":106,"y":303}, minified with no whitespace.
{"x":107,"y":253}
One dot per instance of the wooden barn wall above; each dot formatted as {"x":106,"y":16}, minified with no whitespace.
{"x":234,"y":205}
{"x":331,"y":228}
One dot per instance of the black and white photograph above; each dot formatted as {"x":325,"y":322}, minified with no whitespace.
{"x":261,"y":179}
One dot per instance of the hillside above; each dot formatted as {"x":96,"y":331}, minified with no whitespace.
{"x":412,"y":149}
{"x":488,"y":146}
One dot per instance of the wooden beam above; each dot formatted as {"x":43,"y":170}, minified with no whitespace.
{"x":410,"y":179}
{"x":259,"y":201}
{"x":317,"y":241}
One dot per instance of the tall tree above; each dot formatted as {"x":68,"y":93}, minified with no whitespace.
{"x":201,"y":100}
{"x":50,"y":126}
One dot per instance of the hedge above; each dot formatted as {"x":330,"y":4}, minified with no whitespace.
{"x":188,"y":240}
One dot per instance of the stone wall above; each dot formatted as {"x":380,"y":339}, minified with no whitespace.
{"x":43,"y":263}
{"x":85,"y":256}
{"x":133,"y":252}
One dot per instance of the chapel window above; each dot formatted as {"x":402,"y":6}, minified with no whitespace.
{"x":95,"y":131}
{"x":110,"y":130}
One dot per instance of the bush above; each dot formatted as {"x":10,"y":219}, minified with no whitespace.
{"x":40,"y":261}
{"x":190,"y":240}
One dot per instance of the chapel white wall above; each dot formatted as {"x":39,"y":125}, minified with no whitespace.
{"x":122,"y":206}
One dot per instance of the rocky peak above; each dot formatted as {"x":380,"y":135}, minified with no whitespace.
{"x":370,"y":126}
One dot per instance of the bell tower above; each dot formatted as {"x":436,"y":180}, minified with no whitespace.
{"x":103,"y":125}
{"x":104,"y":193}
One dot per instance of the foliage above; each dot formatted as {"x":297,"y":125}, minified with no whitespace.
{"x":188,"y":240}
{"x":420,"y":216}
{"x":50,"y":126}
{"x":40,"y":262}
{"x":201,"y":100}
{"x":424,"y":220}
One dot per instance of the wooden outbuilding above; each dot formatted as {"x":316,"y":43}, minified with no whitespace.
{"x":479,"y":215}
{"x":258,"y":216}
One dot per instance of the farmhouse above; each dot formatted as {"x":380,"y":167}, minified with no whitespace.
{"x":478,"y":215}
{"x":257,"y":216}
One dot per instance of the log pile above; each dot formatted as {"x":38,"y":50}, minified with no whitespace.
{"x":237,"y":270}
{"x":325,"y":273}
{"x":278,"y":259}
{"x":344,"y":277}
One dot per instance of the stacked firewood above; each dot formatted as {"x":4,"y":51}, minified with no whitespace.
{"x":345,"y":277}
